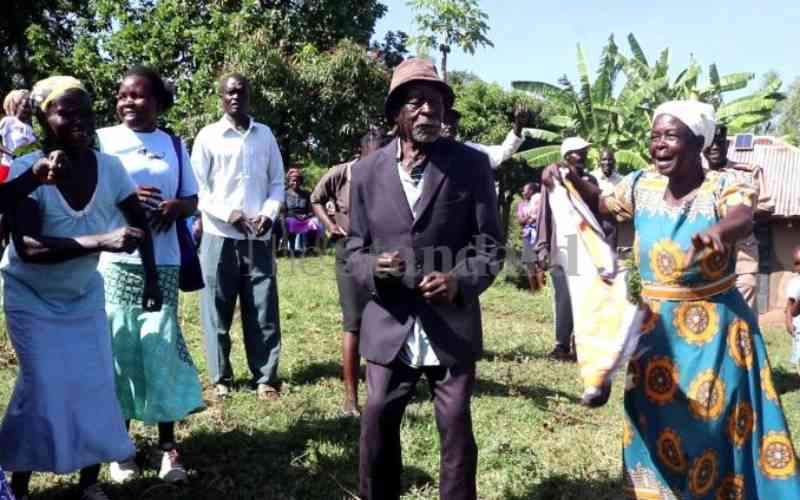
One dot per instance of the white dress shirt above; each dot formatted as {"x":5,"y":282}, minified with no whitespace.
{"x":502,"y":152}
{"x":237,"y":170}
{"x":417,"y":351}
{"x":607,"y":184}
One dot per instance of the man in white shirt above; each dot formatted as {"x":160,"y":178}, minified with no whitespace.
{"x":497,"y":154}
{"x":239,"y":171}
{"x":607,"y":175}
{"x":607,"y":178}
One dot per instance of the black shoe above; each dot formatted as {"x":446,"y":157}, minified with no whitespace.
{"x":560,"y":353}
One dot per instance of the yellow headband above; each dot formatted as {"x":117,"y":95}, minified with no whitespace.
{"x":47,"y":90}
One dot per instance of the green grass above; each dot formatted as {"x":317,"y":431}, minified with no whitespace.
{"x":535,"y":441}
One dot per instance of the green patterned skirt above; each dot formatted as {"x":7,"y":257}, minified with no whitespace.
{"x":156,"y":379}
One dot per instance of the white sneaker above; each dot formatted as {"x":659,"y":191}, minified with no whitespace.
{"x":222,"y":391}
{"x":121,"y":472}
{"x":172,"y":470}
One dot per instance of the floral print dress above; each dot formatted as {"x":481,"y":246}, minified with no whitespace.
{"x":702,"y":417}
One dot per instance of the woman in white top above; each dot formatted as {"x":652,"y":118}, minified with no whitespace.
{"x":63,"y":415}
{"x":157,"y":382}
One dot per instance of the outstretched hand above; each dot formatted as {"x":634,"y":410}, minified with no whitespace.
{"x":710,"y":239}
{"x":522,"y":118}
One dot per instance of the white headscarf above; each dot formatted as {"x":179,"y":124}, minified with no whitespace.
{"x":696,"y":115}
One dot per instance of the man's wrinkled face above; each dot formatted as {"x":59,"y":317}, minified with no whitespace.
{"x":420,"y":113}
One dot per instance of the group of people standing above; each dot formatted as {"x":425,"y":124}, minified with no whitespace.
{"x":92,"y":278}
{"x":419,"y":241}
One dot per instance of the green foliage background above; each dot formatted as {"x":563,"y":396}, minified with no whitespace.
{"x":314,"y":81}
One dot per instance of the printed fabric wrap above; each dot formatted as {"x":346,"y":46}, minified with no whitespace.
{"x":703,"y":418}
{"x":606,"y":324}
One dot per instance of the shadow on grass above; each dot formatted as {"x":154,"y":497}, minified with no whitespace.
{"x":311,"y":373}
{"x":785,"y":381}
{"x":312,"y":459}
{"x":568,"y":488}
{"x":514,"y":356}
{"x":537,"y":393}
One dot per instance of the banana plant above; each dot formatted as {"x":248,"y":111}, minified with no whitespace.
{"x":589,"y":109}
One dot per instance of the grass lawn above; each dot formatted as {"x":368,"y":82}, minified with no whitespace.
{"x":535,"y":441}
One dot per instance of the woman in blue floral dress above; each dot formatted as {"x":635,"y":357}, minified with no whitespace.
{"x":703,"y":419}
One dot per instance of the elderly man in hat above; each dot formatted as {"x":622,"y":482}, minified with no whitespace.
{"x":560,"y":256}
{"x":746,"y":249}
{"x":424,"y":240}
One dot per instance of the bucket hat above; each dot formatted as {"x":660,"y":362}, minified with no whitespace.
{"x":413,"y":70}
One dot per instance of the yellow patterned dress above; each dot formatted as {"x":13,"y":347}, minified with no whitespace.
{"x":703,"y":419}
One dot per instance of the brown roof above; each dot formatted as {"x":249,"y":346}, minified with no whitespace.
{"x":781,"y":164}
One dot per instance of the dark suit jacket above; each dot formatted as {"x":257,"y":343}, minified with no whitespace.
{"x":456,"y":230}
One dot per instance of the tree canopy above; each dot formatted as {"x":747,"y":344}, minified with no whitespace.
{"x":314,"y":80}
{"x":444,"y":24}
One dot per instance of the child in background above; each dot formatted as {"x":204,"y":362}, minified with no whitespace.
{"x":15,"y":128}
{"x":793,"y":308}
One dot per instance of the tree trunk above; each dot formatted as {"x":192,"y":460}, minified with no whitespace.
{"x":445,"y":50}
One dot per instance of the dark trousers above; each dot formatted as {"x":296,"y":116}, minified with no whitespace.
{"x":563,"y":308}
{"x":389,"y":389}
{"x":243,"y":269}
